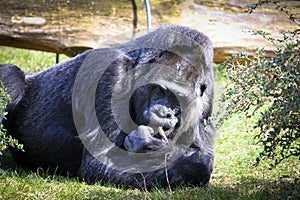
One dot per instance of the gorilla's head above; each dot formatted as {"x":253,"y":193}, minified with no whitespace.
{"x":152,"y":102}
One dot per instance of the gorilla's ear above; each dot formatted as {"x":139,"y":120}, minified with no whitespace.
{"x":13,"y":79}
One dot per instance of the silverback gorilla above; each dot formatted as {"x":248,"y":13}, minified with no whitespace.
{"x":135,"y":115}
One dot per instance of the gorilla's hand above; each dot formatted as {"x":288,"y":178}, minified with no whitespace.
{"x":142,"y":140}
{"x":162,"y":116}
{"x":153,"y":136}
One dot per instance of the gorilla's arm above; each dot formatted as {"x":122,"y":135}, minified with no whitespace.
{"x":184,"y":170}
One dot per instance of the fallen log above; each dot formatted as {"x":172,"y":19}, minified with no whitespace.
{"x":71,"y":28}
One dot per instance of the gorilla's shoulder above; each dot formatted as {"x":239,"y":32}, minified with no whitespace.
{"x":13,"y":79}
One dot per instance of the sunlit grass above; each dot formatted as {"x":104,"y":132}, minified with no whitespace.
{"x":28,"y":60}
{"x":234,"y":176}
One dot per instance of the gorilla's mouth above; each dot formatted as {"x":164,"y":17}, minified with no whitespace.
{"x":146,"y":139}
{"x":161,"y":126}
{"x":166,"y":133}
{"x":163,"y":120}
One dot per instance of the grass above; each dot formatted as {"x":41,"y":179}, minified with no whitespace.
{"x":234,"y":176}
{"x":28,"y":60}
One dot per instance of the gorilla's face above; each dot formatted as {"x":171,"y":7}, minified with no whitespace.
{"x":157,"y":108}
{"x":153,"y":102}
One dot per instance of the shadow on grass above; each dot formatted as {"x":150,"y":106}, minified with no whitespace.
{"x":243,"y":188}
{"x":251,"y":188}
{"x":246,"y":188}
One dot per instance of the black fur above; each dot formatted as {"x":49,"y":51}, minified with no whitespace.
{"x":41,"y":116}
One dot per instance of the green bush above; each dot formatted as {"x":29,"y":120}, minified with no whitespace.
{"x":266,"y":89}
{"x":5,"y":140}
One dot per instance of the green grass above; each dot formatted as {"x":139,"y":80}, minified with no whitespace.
{"x":234,"y":176}
{"x":28,"y":60}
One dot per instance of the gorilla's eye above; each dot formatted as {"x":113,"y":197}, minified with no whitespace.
{"x":202,"y":89}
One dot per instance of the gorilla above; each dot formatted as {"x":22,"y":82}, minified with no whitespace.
{"x":135,"y":115}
